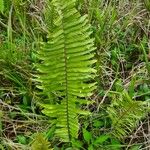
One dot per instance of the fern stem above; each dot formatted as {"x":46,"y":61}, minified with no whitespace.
{"x":66,"y":82}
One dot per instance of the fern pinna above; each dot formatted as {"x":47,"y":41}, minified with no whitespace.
{"x":66,"y":68}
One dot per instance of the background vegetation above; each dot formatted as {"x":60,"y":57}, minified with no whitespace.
{"x":119,"y":107}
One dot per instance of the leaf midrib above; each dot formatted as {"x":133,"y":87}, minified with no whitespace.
{"x":66,"y":79}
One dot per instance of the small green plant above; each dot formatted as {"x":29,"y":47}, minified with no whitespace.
{"x":125,"y":112}
{"x":93,"y":138}
{"x":40,"y":143}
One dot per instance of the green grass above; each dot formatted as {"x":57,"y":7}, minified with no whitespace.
{"x":121,"y":31}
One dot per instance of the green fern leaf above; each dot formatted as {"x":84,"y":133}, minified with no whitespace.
{"x":1,"y":6}
{"x":66,"y":68}
{"x":125,"y":114}
{"x":40,"y":143}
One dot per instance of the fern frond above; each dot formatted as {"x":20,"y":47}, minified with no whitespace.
{"x":125,"y":114}
{"x":40,"y":143}
{"x":66,"y":68}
